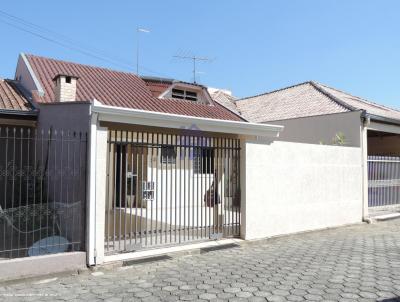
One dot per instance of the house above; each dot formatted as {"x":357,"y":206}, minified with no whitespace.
{"x":168,"y":163}
{"x":318,"y":114}
{"x":17,"y":124}
{"x":15,"y":107}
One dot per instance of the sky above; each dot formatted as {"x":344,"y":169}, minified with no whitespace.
{"x":253,"y":46}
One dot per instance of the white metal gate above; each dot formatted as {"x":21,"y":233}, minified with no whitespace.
{"x":169,"y":189}
{"x":383,"y":181}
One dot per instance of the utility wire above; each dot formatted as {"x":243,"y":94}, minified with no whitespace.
{"x":61,"y":44}
{"x":64,"y":41}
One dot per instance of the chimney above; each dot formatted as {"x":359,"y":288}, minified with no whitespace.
{"x":65,"y":88}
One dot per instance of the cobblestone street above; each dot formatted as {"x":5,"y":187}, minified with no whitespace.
{"x":355,"y":263}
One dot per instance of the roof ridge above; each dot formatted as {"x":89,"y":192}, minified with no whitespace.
{"x":317,"y":86}
{"x":361,"y":99}
{"x":82,"y":64}
{"x":274,"y":91}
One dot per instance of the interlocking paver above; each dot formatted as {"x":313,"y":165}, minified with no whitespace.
{"x":357,"y":263}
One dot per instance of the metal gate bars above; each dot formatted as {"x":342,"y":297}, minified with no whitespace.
{"x":170,"y":189}
{"x":42,"y":191}
{"x":383,"y":181}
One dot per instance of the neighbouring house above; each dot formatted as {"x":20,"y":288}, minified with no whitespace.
{"x":224,"y":97}
{"x":35,"y":216}
{"x":15,"y":108}
{"x":167,"y":162}
{"x":318,"y":114}
{"x":17,"y":121}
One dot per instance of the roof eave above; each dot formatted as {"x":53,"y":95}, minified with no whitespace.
{"x":381,"y":119}
{"x":167,"y":120}
{"x":19,"y":112}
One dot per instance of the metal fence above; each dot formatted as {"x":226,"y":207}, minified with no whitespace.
{"x":42,"y":191}
{"x":383,"y":181}
{"x":169,"y":189}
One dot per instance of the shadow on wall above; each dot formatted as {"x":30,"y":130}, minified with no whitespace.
{"x":397,"y":299}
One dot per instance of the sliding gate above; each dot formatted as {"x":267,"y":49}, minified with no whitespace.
{"x":383,"y":181}
{"x":167,"y":189}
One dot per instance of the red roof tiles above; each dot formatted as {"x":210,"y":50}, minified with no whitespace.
{"x":11,"y":97}
{"x":116,"y":88}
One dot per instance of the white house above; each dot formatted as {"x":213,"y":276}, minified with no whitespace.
{"x":169,"y":164}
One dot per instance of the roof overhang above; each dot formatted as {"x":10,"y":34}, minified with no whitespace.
{"x":381,"y":119}
{"x":175,"y":121}
{"x":19,"y":113}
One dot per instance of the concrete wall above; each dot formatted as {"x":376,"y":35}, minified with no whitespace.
{"x":322,"y":129}
{"x":42,"y":265}
{"x":65,"y":116}
{"x":293,"y":187}
{"x":23,"y":75}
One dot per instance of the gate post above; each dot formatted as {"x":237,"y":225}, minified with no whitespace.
{"x":97,"y":192}
{"x":364,"y":165}
{"x":243,"y":200}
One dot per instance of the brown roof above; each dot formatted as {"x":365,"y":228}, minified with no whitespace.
{"x":12,"y":98}
{"x":306,"y":99}
{"x":157,"y":85}
{"x":116,"y":88}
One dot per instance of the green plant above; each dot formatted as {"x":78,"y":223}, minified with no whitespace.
{"x":339,"y":139}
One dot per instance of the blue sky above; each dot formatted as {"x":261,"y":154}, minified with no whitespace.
{"x":256,"y":46}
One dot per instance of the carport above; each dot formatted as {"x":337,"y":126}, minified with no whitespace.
{"x":383,"y":166}
{"x":159,"y":179}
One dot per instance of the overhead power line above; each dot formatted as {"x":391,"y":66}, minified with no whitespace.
{"x":64,"y":41}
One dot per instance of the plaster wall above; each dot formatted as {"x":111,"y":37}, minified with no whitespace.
{"x":322,"y":129}
{"x":292,"y":187}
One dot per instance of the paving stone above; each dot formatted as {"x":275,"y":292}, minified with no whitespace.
{"x":244,"y":294}
{"x":208,"y":296}
{"x":355,"y":263}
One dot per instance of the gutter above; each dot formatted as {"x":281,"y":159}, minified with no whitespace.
{"x":21,"y":113}
{"x":372,"y":117}
{"x":176,"y":121}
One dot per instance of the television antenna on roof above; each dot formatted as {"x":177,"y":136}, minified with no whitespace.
{"x":194,"y":59}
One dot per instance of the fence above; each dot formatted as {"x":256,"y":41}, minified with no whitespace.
{"x":383,"y":181}
{"x":170,"y":189}
{"x":42,"y":191}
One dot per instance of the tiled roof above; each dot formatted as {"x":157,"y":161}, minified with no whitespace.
{"x":225,"y":99}
{"x":12,"y":98}
{"x":361,"y":104}
{"x":306,"y":99}
{"x":157,"y":85}
{"x":116,"y":88}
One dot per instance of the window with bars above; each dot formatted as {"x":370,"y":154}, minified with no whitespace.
{"x":203,"y":160}
{"x":168,"y":155}
{"x":184,"y":94}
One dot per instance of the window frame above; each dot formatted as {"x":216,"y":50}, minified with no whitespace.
{"x":200,"y":165}
{"x":168,"y":158}
{"x":183,"y":94}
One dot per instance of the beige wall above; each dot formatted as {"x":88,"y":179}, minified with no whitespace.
{"x":322,"y":129}
{"x":293,"y":187}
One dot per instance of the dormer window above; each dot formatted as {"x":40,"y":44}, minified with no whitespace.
{"x":184,"y":94}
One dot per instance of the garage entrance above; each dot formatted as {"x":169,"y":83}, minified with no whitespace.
{"x":170,"y":188}
{"x":383,"y":172}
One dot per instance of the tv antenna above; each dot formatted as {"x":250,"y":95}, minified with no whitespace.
{"x":194,"y":59}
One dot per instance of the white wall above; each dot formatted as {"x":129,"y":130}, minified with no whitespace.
{"x":294,"y":187}
{"x":322,"y":128}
